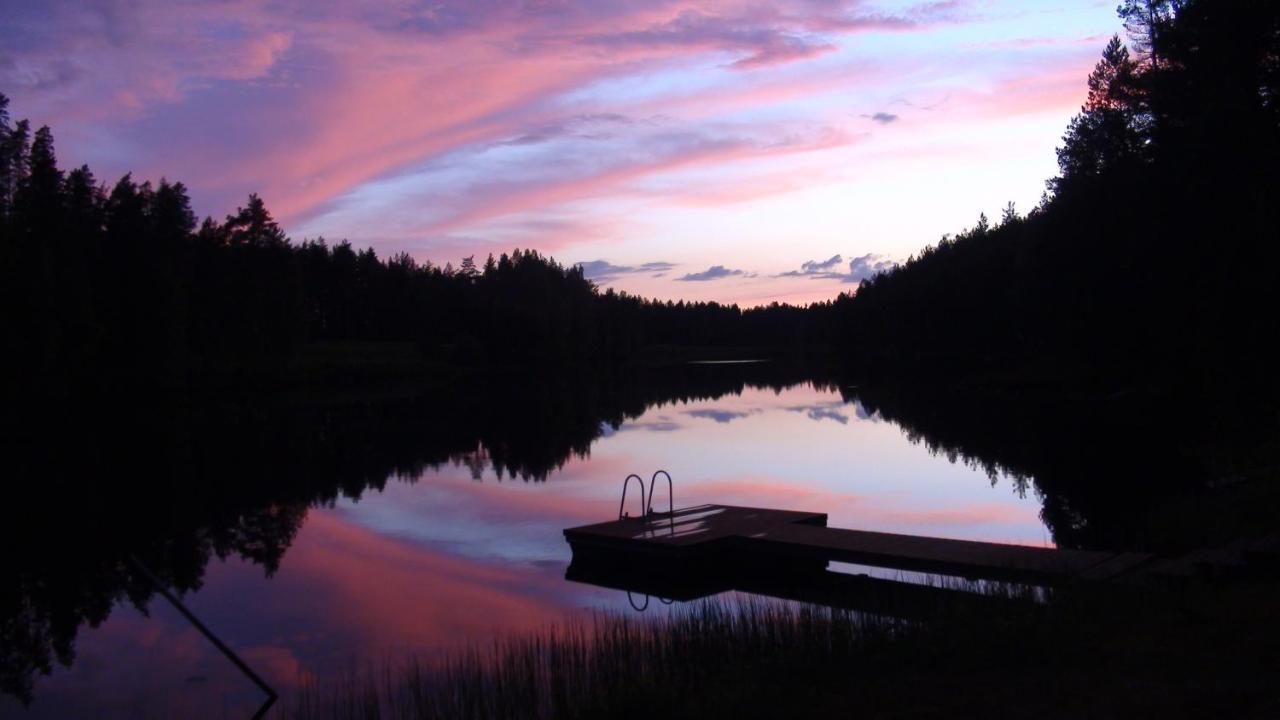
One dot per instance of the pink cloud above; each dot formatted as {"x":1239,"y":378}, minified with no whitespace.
{"x":394,"y":593}
{"x":316,"y":106}
{"x":688,"y":154}
{"x":1027,"y":43}
{"x":752,"y":188}
{"x":968,"y":515}
{"x":769,"y":492}
{"x":356,"y":94}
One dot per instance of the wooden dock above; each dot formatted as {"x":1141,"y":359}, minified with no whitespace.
{"x":719,"y":536}
{"x":817,"y":586}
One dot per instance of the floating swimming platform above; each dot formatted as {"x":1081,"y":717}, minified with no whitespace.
{"x":704,"y":537}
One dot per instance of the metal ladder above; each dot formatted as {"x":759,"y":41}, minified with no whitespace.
{"x":646,"y":503}
{"x":646,"y":509}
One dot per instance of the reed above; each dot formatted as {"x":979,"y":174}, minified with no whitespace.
{"x":1078,"y":652}
{"x":599,"y":664}
{"x":701,"y":658}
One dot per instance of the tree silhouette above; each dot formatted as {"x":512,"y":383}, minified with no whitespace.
{"x":1106,"y":132}
{"x":38,"y":199}
{"x":252,"y":225}
{"x":1144,"y":22}
{"x":1144,"y":265}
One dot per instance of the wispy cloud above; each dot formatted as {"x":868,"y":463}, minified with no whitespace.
{"x":612,"y":128}
{"x":715,"y":272}
{"x":1027,"y":43}
{"x":759,"y":43}
{"x":661,"y":424}
{"x":605,"y":271}
{"x":822,"y":412}
{"x":863,"y":267}
{"x":719,"y":415}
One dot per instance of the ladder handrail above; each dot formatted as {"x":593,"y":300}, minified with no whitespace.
{"x":671,"y":494}
{"x":643,"y":505}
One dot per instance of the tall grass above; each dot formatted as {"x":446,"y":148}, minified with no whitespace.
{"x":1110,"y":652}
{"x":603,"y":664}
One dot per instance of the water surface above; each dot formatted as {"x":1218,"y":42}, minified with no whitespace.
{"x":462,"y":543}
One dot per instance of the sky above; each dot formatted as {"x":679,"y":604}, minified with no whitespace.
{"x":735,"y":151}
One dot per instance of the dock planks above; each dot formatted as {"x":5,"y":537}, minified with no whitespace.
{"x":728,"y":535}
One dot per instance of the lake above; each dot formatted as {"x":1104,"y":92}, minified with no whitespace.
{"x":320,"y":539}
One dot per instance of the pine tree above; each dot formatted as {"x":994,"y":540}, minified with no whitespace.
{"x":983,"y":225}
{"x":1145,"y":22}
{"x":468,"y":270}
{"x":38,"y":202}
{"x":16,"y":151}
{"x":252,"y":225}
{"x":1009,"y":214}
{"x":84,"y":203}
{"x":6,"y":161}
{"x":171,"y":213}
{"x":1107,"y":132}
{"x":126,"y":219}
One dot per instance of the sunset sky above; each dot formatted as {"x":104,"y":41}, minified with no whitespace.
{"x":735,"y":151}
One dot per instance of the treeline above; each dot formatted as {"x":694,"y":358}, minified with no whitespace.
{"x":108,"y":282}
{"x":1152,"y":256}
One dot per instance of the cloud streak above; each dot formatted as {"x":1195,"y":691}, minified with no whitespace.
{"x":859,"y":269}
{"x":451,"y":128}
{"x":719,"y":415}
{"x":604,"y":271}
{"x":715,"y":272}
{"x":396,"y":82}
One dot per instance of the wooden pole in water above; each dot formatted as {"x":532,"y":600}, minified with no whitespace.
{"x":204,"y":630}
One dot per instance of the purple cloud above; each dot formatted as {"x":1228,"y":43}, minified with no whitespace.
{"x":813,"y":266}
{"x":770,"y":35}
{"x":720,"y":416}
{"x":715,"y":272}
{"x":605,"y":271}
{"x":822,"y":412}
{"x":863,"y":267}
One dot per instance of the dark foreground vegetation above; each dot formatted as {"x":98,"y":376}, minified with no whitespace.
{"x":1098,"y":655}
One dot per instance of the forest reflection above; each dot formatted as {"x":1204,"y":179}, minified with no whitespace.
{"x":178,"y":482}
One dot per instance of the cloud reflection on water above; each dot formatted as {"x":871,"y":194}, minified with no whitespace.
{"x":459,"y":555}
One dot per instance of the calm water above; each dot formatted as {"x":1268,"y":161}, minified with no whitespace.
{"x":462,"y":545}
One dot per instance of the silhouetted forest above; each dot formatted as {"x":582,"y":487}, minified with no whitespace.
{"x":1152,"y":256}
{"x":104,"y":283}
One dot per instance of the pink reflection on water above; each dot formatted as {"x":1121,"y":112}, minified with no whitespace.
{"x":345,"y":597}
{"x":447,"y":560}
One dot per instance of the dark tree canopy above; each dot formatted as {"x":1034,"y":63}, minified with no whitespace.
{"x":120,"y":283}
{"x":1108,"y":131}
